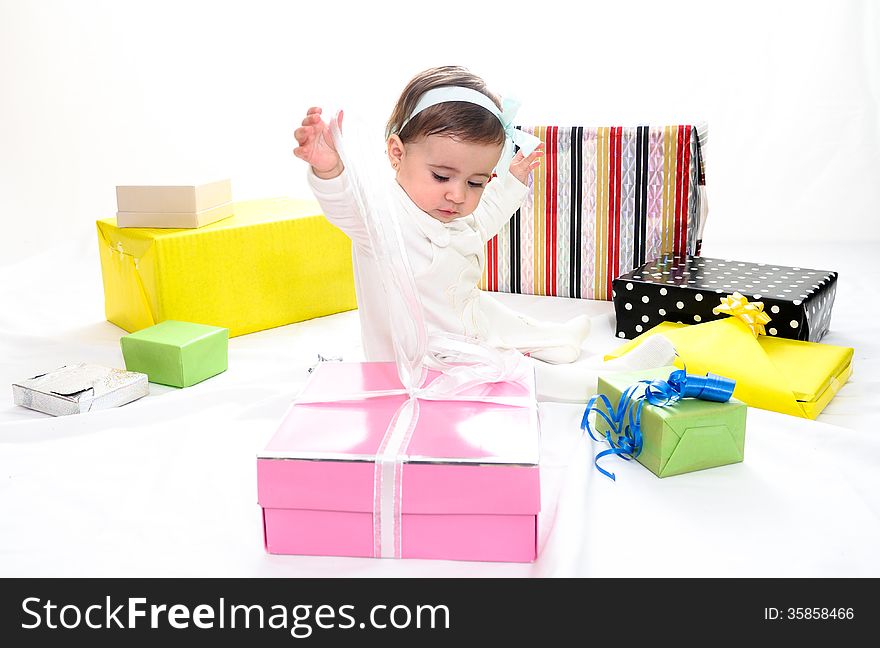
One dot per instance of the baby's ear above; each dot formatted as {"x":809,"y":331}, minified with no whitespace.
{"x":395,"y":148}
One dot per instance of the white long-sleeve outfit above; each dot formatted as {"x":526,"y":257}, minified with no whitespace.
{"x":447,"y":262}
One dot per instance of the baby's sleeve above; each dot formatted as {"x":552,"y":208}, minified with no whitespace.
{"x":501,"y":198}
{"x":337,"y":201}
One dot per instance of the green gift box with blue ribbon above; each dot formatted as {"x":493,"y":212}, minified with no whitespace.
{"x":669,"y":421}
{"x":179,"y":354}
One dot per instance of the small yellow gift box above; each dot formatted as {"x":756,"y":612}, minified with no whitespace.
{"x":274,"y":262}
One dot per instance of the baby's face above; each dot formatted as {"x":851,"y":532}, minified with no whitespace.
{"x":445,"y":177}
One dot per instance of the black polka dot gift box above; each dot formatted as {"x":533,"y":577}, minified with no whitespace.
{"x":686,"y":288}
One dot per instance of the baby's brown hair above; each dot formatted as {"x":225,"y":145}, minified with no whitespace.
{"x":458,"y":119}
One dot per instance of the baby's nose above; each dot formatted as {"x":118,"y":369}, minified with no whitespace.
{"x":455,"y":194}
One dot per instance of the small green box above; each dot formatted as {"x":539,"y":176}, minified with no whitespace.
{"x":690,"y":435}
{"x":179,"y":354}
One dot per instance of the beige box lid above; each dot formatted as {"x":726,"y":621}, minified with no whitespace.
{"x":173,"y":198}
{"x":179,"y":220}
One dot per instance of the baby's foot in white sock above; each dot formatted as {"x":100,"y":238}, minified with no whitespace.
{"x":562,"y":354}
{"x":571,"y":337}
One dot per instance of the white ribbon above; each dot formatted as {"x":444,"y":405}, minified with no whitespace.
{"x":467,"y":366}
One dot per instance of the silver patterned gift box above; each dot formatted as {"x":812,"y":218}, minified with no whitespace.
{"x":73,"y":389}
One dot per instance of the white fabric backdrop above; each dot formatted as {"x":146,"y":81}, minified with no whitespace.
{"x":98,"y":93}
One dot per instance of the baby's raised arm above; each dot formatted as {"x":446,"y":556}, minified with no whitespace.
{"x":521,"y":166}
{"x":316,"y":144}
{"x":326,"y":180}
{"x":504,"y":195}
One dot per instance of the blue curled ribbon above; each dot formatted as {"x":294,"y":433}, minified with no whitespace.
{"x":625,"y":435}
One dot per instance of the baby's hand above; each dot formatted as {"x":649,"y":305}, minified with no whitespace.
{"x":521,"y":166}
{"x":316,"y":144}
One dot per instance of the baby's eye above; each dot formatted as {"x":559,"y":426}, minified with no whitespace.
{"x":476,"y":185}
{"x":439,"y":178}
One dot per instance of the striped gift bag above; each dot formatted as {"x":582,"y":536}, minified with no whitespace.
{"x":604,"y":201}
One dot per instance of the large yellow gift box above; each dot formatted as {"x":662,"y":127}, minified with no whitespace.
{"x":790,"y":376}
{"x":274,"y":262}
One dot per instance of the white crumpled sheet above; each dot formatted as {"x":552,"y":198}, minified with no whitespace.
{"x":166,"y":486}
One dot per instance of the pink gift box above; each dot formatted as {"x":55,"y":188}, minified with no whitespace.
{"x":469,"y":482}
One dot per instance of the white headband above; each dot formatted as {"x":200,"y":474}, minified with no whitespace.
{"x":526,"y":141}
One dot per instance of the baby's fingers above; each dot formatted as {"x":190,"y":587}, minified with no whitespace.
{"x":538,"y":152}
{"x":303,"y":134}
{"x":534,"y":158}
{"x":303,"y":152}
{"x":311,"y":119}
